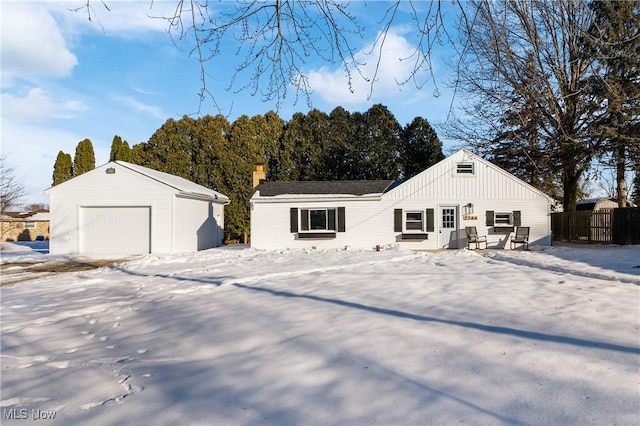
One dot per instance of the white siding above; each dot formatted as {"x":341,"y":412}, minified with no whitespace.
{"x":196,"y":224}
{"x":120,"y":189}
{"x":371,"y":223}
{"x":270,"y":225}
{"x":442,"y":182}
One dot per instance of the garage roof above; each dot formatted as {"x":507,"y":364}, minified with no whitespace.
{"x":183,"y":185}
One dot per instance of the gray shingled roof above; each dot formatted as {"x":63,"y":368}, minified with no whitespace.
{"x":345,"y":187}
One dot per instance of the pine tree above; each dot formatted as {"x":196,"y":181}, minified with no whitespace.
{"x":420,"y":148}
{"x":63,"y":168}
{"x":85,"y":159}
{"x":120,"y":150}
{"x":115,"y":148}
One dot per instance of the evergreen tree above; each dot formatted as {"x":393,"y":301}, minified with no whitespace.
{"x":85,"y":159}
{"x":120,"y":150}
{"x":377,"y":144}
{"x":301,"y":147}
{"x":339,"y":153}
{"x":62,"y":168}
{"x":420,"y":148}
{"x":250,"y":141}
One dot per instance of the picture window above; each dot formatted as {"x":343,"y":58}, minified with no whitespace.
{"x":319,"y":220}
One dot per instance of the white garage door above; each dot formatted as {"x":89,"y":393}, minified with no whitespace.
{"x":115,"y":230}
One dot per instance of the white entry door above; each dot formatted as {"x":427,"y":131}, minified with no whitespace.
{"x":448,"y":232}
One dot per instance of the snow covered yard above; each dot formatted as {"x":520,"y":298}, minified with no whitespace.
{"x":238,"y":336}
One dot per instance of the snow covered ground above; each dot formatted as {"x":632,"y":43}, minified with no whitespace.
{"x":238,"y":336}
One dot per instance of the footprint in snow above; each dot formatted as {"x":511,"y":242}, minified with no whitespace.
{"x":115,"y":324}
{"x":142,"y":351}
{"x":93,"y":321}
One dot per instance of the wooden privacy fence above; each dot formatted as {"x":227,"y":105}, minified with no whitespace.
{"x":612,"y":226}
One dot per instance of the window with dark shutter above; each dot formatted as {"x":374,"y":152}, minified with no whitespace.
{"x":304,"y":220}
{"x":430,"y":220}
{"x":341,"y":219}
{"x":320,"y":223}
{"x":397,"y":220}
{"x":293,"y":219}
{"x":517,"y":218}
{"x":490,"y":219}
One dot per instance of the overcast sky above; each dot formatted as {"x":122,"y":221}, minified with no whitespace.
{"x":65,"y":78}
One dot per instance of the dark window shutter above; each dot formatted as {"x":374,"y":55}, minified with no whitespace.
{"x":430,"y":220}
{"x":293,"y":219}
{"x":331,"y":219}
{"x":304,"y":220}
{"x":341,"y":220}
{"x":490,"y":220}
{"x":517,"y":218}
{"x":397,"y":220}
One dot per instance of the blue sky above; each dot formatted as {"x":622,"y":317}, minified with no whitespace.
{"x":65,"y":79}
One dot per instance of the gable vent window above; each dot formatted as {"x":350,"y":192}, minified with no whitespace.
{"x":465,"y":169}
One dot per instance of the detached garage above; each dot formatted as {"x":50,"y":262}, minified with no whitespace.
{"x":122,"y":208}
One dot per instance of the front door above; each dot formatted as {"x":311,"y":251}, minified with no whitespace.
{"x":448,"y":227}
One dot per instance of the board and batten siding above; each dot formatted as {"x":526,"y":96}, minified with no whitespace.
{"x":99,"y":189}
{"x":441,"y":182}
{"x":197,"y":224}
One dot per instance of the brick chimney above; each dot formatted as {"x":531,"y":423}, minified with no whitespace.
{"x":258,"y":175}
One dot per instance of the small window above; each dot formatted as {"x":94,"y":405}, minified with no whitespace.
{"x":30,"y":225}
{"x":503,"y":219}
{"x":414,"y":221}
{"x":465,"y":169}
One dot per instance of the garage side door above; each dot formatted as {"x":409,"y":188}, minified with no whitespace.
{"x":115,"y":230}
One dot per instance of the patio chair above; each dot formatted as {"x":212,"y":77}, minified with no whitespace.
{"x":474,"y":238}
{"x":521,"y":237}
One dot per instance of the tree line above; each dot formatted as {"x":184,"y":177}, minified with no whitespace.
{"x":221,"y":155}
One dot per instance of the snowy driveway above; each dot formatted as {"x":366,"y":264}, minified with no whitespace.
{"x":230,"y":336}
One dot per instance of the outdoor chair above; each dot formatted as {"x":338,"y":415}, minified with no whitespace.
{"x":521,"y":237}
{"x":474,"y":238}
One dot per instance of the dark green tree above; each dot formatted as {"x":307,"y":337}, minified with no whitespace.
{"x":420,"y":148}
{"x":250,"y":141}
{"x":301,"y":146}
{"x":120,"y":150}
{"x":339,"y":153}
{"x":85,"y":159}
{"x":62,"y":168}
{"x":377,"y":144}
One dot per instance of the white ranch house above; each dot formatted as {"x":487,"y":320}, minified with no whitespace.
{"x":121,"y":208}
{"x":428,"y":211}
